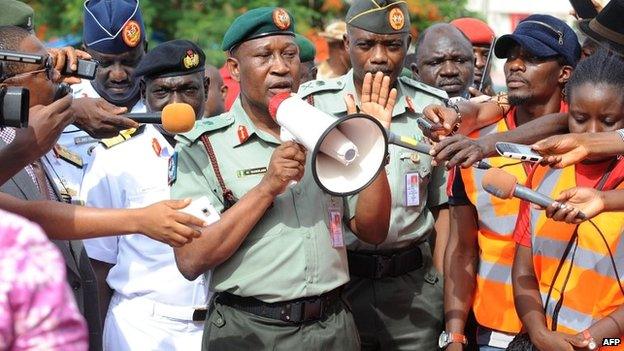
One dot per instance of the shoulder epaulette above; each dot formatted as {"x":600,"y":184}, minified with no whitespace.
{"x":439,"y":93}
{"x":316,"y":86}
{"x":123,"y":136}
{"x":206,"y":125}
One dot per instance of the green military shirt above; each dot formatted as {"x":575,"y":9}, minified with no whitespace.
{"x":288,"y":254}
{"x":407,"y":223}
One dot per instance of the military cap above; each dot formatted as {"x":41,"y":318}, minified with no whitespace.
{"x":112,"y":27}
{"x":172,"y":58}
{"x":379,"y":16}
{"x":16,"y":13}
{"x":306,"y":48}
{"x":477,"y":31}
{"x":257,"y":23}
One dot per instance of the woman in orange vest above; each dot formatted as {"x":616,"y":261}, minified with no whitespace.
{"x":566,"y":276}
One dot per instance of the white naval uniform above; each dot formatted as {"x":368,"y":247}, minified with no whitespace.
{"x":152,"y":305}
{"x":67,"y":176}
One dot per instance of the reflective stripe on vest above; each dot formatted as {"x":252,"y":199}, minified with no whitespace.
{"x":592,"y":291}
{"x":493,"y":301}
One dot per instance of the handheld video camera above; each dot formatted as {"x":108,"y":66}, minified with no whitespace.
{"x":14,"y":104}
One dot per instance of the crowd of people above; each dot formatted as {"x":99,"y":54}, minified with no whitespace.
{"x":117,"y":235}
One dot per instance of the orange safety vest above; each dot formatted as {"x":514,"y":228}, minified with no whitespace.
{"x":591,"y":291}
{"x":493,"y":304}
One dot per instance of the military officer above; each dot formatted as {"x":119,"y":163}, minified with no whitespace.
{"x":150,"y":297}
{"x":278,"y":268}
{"x":395,"y":291}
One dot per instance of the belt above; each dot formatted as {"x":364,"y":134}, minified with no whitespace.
{"x":185,"y":313}
{"x":374,"y":265}
{"x":297,"y":311}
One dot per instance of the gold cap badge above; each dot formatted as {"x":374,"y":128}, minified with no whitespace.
{"x":191,"y":59}
{"x":131,"y":34}
{"x":396,"y":18}
{"x":281,"y":18}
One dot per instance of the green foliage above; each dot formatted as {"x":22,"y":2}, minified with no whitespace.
{"x":205,"y":21}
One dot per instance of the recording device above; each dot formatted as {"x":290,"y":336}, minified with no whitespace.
{"x":584,"y":9}
{"x":175,"y":118}
{"x":486,"y":69}
{"x":505,"y":186}
{"x":86,"y":69}
{"x":517,"y":151}
{"x":14,"y":56}
{"x":14,"y":105}
{"x":62,"y":90}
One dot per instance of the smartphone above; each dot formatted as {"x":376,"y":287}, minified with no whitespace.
{"x":517,"y":151}
{"x":584,"y":9}
{"x":86,"y":69}
{"x":428,"y":128}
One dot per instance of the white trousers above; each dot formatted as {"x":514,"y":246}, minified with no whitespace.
{"x":138,"y":325}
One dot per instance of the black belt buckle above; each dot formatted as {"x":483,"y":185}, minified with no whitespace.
{"x":383,"y":264}
{"x":313,"y":310}
{"x":200,"y":314}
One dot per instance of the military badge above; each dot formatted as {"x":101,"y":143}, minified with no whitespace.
{"x":242,"y":133}
{"x":396,"y":18}
{"x":281,"y":18}
{"x":131,"y":33}
{"x":191,"y":59}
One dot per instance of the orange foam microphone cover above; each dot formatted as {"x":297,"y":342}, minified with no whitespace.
{"x":499,"y":183}
{"x":178,"y":118}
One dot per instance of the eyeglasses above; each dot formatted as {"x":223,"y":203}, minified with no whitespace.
{"x":48,"y":68}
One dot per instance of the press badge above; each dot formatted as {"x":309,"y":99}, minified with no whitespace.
{"x":335,"y":225}
{"x":202,"y":209}
{"x":412,"y":189}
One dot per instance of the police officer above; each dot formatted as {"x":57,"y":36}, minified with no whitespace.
{"x":114,"y":35}
{"x":277,"y":273}
{"x":150,"y":297}
{"x":395,"y":292}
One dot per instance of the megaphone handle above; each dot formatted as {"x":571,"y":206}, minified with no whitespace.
{"x":408,"y":143}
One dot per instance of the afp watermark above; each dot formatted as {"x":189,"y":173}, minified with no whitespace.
{"x":611,"y":341}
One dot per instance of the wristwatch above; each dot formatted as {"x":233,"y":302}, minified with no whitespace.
{"x":447,"y":338}
{"x":591,"y":342}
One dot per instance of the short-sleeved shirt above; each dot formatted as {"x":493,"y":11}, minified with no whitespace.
{"x":407,"y":223}
{"x":134,"y":174}
{"x":68,"y":176}
{"x":288,"y":254}
{"x":37,"y":309}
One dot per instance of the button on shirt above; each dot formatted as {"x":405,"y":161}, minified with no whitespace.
{"x":132,"y":175}
{"x":288,"y":254}
{"x":407,"y":223}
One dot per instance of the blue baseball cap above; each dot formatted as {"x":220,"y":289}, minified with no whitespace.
{"x":543,"y":36}
{"x":112,"y":26}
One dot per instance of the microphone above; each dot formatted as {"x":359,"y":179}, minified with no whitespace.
{"x":505,"y":186}
{"x":175,"y":118}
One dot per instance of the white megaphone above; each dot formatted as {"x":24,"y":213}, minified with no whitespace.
{"x":347,"y":153}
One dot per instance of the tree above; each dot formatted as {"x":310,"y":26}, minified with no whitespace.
{"x":205,"y":22}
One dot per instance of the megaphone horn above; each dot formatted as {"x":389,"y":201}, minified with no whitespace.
{"x":347,"y":153}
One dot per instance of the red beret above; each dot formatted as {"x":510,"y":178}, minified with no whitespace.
{"x":477,"y":31}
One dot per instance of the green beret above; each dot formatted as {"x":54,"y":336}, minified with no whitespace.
{"x":379,"y":16}
{"x":257,"y":23}
{"x":171,"y":59}
{"x":306,"y":48}
{"x":16,"y":13}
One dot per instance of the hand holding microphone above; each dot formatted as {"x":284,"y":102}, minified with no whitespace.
{"x":175,"y":118}
{"x":505,"y":186}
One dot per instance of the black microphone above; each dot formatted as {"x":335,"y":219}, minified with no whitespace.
{"x":505,"y":186}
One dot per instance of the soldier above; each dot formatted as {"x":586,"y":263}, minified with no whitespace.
{"x":276,"y":271}
{"x":393,"y":283}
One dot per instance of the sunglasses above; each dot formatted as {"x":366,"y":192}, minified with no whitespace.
{"x":48,"y":68}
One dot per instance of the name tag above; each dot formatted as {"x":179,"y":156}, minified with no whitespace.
{"x":250,"y":171}
{"x":412,"y":189}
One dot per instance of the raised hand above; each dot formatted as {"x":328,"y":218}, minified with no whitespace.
{"x":378,"y":99}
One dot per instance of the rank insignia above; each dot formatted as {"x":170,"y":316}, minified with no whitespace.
{"x":131,"y":33}
{"x":156,"y":146}
{"x":66,"y":155}
{"x":396,"y":18}
{"x":172,"y":169}
{"x":242,"y":133}
{"x":281,"y":18}
{"x":191,"y":59}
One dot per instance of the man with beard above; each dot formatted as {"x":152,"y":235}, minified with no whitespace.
{"x":541,"y":54}
{"x":444,"y":60}
{"x":150,"y":297}
{"x":392,"y":283}
{"x":276,"y":271}
{"x":481,"y":37}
